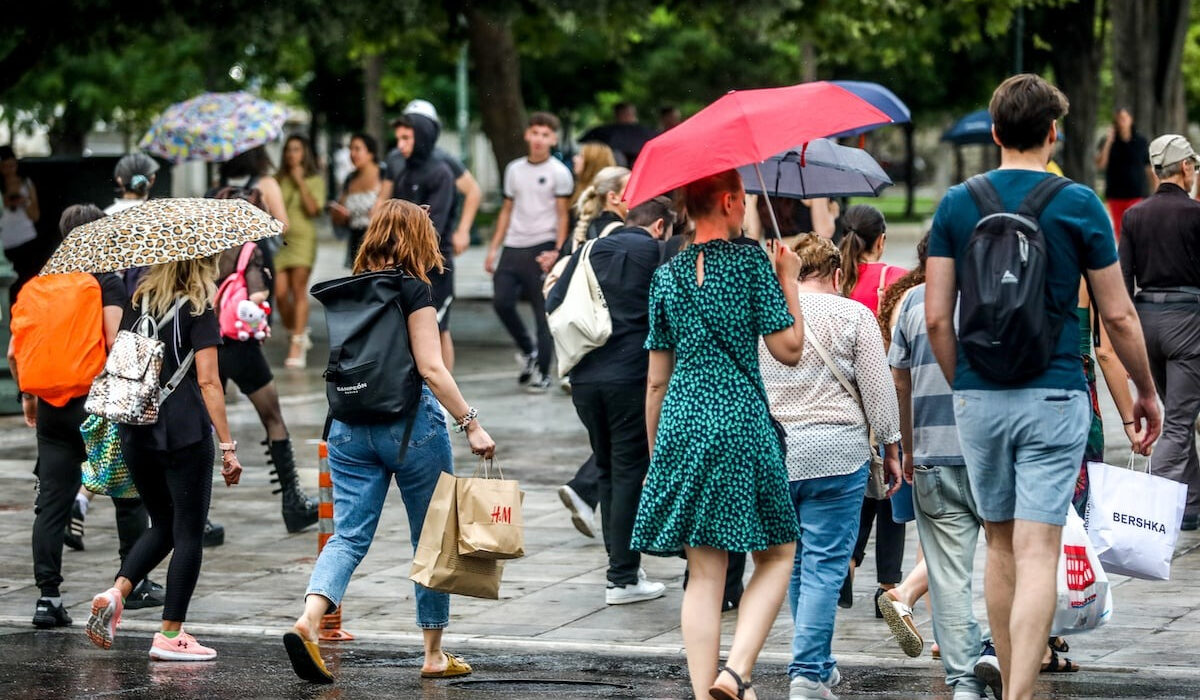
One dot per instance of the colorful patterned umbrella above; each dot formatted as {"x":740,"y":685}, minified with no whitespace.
{"x":161,"y":231}
{"x":214,"y":127}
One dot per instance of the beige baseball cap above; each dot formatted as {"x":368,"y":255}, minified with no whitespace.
{"x":1169,"y":149}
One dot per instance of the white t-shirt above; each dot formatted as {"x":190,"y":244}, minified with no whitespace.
{"x":122,"y":204}
{"x":534,"y":189}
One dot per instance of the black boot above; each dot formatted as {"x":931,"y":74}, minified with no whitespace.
{"x":299,"y":511}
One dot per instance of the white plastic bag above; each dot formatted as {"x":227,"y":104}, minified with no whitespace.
{"x":1133,"y":519}
{"x":1084,"y":599}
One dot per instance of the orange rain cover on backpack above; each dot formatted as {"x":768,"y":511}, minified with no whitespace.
{"x":58,"y":336}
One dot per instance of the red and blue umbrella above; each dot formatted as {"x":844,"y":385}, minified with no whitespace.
{"x":214,"y":127}
{"x":880,"y":97}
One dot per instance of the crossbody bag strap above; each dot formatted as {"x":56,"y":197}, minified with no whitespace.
{"x":837,"y":373}
{"x":882,"y":288}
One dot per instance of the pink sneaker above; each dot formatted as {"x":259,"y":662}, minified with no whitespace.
{"x":182,"y":648}
{"x":106,"y":615}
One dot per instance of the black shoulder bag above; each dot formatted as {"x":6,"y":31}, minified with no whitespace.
{"x":780,"y":432}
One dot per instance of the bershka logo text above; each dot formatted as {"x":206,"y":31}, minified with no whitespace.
{"x":1135,"y":521}
{"x":352,"y":389}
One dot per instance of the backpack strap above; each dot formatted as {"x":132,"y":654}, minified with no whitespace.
{"x":987,"y":199}
{"x":1040,"y":196}
{"x":245,"y":257}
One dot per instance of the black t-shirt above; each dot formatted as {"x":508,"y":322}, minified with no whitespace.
{"x":112,"y":289}
{"x":1125,"y":176}
{"x":414,"y":295}
{"x":183,"y":418}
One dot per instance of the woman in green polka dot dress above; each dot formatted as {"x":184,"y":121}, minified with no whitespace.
{"x":717,"y":481}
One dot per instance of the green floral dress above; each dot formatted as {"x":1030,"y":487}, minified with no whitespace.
{"x":717,"y":476}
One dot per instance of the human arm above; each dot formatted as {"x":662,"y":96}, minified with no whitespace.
{"x":559,"y":291}
{"x":940,"y":293}
{"x":1105,"y":148}
{"x":1126,"y":257}
{"x":903,"y":379}
{"x":787,"y":344}
{"x":658,"y":377}
{"x":472,"y":196}
{"x":822,"y":216}
{"x":562,"y":207}
{"x":311,"y":202}
{"x":426,"y":342}
{"x":273,"y":199}
{"x":214,"y":400}
{"x":28,"y":401}
{"x":874,"y":380}
{"x":1125,"y":330}
{"x":32,"y":208}
{"x":502,"y":221}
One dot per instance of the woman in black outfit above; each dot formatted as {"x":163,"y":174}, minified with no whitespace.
{"x":172,"y":460}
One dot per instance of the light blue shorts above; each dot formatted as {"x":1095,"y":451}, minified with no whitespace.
{"x":1023,"y":449}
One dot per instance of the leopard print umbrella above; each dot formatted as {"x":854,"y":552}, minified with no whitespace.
{"x":161,"y":231}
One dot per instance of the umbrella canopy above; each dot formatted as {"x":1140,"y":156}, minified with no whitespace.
{"x":976,"y":127}
{"x":742,"y":127}
{"x":821,"y":168}
{"x":626,"y":139}
{"x":880,"y":97}
{"x":161,"y":231}
{"x":214,"y":127}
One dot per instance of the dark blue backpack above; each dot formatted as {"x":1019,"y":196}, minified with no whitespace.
{"x":1006,"y":326}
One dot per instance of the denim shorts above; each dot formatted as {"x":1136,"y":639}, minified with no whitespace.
{"x":1023,"y":449}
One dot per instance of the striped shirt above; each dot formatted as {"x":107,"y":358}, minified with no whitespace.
{"x":935,"y":435}
{"x":826,"y":428}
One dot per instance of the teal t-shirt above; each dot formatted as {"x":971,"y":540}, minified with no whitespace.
{"x":1074,"y":221}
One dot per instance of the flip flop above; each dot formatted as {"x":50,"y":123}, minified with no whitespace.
{"x":306,"y":659}
{"x":719,"y":693}
{"x":1057,"y":665}
{"x":454,"y":667}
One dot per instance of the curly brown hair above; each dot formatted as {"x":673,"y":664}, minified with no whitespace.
{"x":893,"y":295}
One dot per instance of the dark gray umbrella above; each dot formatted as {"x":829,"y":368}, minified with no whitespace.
{"x":820,"y":168}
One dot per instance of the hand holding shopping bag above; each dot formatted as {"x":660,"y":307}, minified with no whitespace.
{"x":1133,"y":519}
{"x":1084,"y":598}
{"x":490,"y":523}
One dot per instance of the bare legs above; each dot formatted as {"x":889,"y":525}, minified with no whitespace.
{"x":1020,"y":588}
{"x":315,"y":607}
{"x":291,"y":297}
{"x":700,"y":615}
{"x":125,"y":586}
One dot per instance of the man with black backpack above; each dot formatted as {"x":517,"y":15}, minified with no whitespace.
{"x":1011,"y":246}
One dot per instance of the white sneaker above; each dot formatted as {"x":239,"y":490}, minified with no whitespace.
{"x":834,"y":678}
{"x":967,"y":694}
{"x":803,"y":689}
{"x":582,"y":516}
{"x":638,"y":592}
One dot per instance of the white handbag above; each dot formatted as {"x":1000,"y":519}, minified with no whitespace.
{"x":1133,"y":519}
{"x":582,"y":322}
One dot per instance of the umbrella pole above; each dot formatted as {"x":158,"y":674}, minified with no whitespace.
{"x":762,"y":185}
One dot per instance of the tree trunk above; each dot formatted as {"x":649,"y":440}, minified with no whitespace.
{"x":1148,"y":37}
{"x":1076,"y":56}
{"x":373,"y":99}
{"x":69,"y":132}
{"x":808,"y":61}
{"x":496,"y":73}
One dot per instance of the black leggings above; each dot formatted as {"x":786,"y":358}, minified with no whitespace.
{"x":176,"y":487}
{"x":889,"y":539}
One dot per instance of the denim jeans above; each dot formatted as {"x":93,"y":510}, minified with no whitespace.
{"x":827,"y":510}
{"x":948,"y":523}
{"x":362,"y":460}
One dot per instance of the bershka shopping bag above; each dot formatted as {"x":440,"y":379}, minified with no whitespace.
{"x":1133,"y":519}
{"x":1084,"y":599}
{"x":490,"y":525}
{"x":437,"y":564}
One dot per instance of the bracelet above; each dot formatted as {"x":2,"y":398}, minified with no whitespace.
{"x":463,"y":422}
{"x":1129,"y":422}
{"x":227,"y":446}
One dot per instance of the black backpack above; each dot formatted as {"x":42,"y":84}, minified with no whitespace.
{"x":371,"y":376}
{"x":1005,"y":324}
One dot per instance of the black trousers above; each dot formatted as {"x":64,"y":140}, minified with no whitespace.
{"x":519,"y":276}
{"x":586,"y":482}
{"x":176,"y":487}
{"x":1173,"y":345}
{"x":60,"y":456}
{"x":889,"y":539}
{"x":615,"y":418}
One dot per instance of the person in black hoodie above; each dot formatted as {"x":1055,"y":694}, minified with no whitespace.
{"x":428,"y":181}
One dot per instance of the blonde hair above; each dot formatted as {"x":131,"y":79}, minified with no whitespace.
{"x":400,"y":234}
{"x":819,"y":257}
{"x":596,"y":157}
{"x":591,"y":200}
{"x":162,"y":285}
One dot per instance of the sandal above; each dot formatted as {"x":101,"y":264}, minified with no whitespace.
{"x":1059,"y":644}
{"x":454,"y":667}
{"x":899,"y":619}
{"x":1059,"y":665}
{"x":306,"y":659}
{"x":718,"y":693}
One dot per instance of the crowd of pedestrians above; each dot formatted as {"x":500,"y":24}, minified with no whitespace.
{"x":778,"y":404}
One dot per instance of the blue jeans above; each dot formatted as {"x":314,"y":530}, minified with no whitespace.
{"x":1023,"y":448}
{"x":362,"y":459}
{"x":949,"y":523}
{"x":827,"y":510}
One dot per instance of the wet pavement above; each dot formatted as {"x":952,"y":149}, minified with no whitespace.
{"x":551,"y":622}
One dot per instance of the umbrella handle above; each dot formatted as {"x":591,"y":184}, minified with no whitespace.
{"x":762,"y":185}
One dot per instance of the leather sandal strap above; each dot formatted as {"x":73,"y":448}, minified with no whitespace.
{"x":742,"y":686}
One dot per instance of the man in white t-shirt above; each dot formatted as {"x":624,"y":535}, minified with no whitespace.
{"x":531,"y":228}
